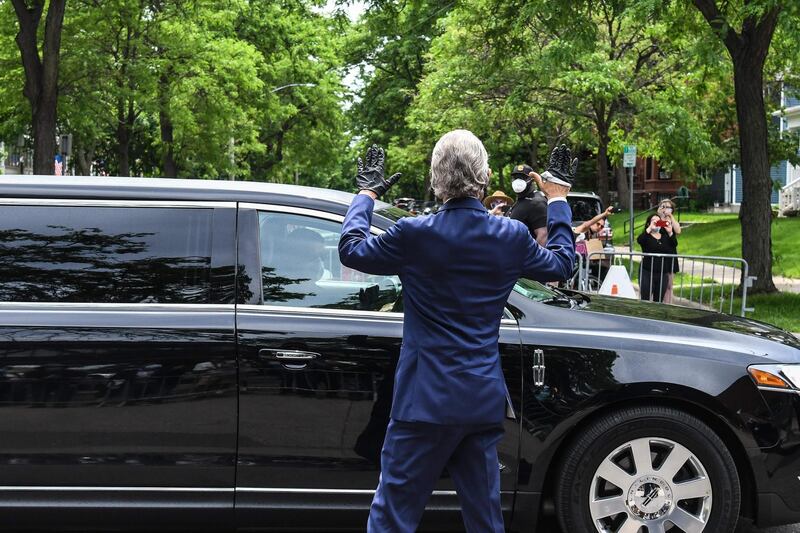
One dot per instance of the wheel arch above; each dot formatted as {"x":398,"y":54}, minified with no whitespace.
{"x":724,"y":432}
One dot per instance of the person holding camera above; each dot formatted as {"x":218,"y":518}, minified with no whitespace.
{"x":531,"y":205}
{"x":658,"y":237}
{"x":665,"y":210}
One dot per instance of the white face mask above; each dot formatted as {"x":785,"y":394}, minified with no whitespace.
{"x":519,"y":185}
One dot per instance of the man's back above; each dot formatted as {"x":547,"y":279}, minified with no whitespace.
{"x":458,"y":268}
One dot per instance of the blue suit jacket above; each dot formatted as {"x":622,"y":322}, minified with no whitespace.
{"x":457,"y":268}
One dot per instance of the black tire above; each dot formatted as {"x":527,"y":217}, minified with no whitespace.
{"x":604,"y":436}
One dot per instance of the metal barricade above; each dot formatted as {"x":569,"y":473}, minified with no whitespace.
{"x":709,"y":282}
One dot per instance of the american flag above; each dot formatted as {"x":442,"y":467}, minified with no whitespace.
{"x":59,"y":166}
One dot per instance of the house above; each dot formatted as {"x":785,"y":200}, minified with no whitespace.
{"x":789,"y":115}
{"x":651,"y":183}
{"x":726,"y":186}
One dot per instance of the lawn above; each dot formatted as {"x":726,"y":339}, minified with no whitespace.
{"x":721,"y":235}
{"x":782,"y":310}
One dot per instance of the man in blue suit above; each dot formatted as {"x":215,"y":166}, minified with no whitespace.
{"x":457,"y":268}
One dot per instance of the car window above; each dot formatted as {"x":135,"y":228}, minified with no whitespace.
{"x":300,"y":268}
{"x":105,"y":254}
{"x":533,"y":290}
{"x":584,"y":209}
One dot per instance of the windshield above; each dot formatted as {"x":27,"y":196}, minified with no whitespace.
{"x":533,"y":290}
{"x":392,"y":213}
{"x":584,"y":208}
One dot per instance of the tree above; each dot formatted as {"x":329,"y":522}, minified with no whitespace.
{"x":746,"y":30}
{"x":593,"y":75}
{"x":299,"y":117}
{"x":41,"y":73}
{"x":389,"y":46}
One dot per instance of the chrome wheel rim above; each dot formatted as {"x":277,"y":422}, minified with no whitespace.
{"x":650,"y":485}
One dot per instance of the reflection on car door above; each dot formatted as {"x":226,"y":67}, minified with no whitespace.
{"x":317,"y":365}
{"x":118,"y":375}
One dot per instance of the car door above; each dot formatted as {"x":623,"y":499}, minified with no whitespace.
{"x":318,"y":347}
{"x":117,"y":361}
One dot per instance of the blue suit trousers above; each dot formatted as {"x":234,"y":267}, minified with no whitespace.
{"x":413,"y":458}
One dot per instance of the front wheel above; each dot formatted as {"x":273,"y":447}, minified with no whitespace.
{"x":648,"y":470}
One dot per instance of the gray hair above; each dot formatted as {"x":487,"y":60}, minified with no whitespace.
{"x":459,"y":166}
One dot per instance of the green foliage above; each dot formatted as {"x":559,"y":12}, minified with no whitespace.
{"x":255,"y":90}
{"x":195,"y":79}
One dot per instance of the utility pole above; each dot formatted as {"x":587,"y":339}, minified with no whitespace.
{"x":629,"y":161}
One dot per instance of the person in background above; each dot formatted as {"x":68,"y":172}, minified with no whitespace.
{"x":591,"y":228}
{"x":531,"y":205}
{"x":656,"y":239}
{"x":665,"y":210}
{"x":497,"y":203}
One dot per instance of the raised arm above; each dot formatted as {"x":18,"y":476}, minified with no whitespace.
{"x":554,"y":261}
{"x":358,"y":249}
{"x":589,"y":223}
{"x":382,"y":254}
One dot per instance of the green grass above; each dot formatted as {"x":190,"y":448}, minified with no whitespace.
{"x":782,"y":310}
{"x":721,"y":235}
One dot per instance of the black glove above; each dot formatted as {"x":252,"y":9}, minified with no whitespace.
{"x":370,"y":172}
{"x":560,"y":170}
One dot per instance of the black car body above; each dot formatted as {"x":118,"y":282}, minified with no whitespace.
{"x":190,"y":354}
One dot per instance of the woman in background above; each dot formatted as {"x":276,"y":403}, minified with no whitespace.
{"x":658,"y":237}
{"x":665,"y":210}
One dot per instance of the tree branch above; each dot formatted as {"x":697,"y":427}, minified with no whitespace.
{"x":733,"y":41}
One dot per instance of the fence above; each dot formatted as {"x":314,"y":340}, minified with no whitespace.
{"x":709,"y":282}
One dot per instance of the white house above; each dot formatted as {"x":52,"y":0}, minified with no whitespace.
{"x":727,"y":188}
{"x":790,"y":120}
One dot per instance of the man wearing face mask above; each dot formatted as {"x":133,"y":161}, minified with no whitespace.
{"x":531,"y":205}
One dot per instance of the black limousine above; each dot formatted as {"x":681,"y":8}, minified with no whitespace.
{"x":191,"y":354}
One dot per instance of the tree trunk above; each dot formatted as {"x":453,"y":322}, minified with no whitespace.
{"x":41,"y":75}
{"x":623,"y":192}
{"x":602,"y":168}
{"x":756,"y":212}
{"x":748,"y":50}
{"x":123,"y":135}
{"x":83,"y":158}
{"x":169,"y":167}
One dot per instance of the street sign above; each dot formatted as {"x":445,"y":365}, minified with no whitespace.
{"x":629,"y":156}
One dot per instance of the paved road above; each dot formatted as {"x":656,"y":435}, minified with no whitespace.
{"x":784,"y":529}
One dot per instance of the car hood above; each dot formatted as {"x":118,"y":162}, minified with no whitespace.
{"x":689,"y":316}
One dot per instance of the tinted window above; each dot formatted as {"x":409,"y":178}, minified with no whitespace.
{"x":104,"y":254}
{"x":584,"y":209}
{"x":300,"y":267}
{"x":534,"y":290}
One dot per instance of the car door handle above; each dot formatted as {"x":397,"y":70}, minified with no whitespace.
{"x":288,"y":356}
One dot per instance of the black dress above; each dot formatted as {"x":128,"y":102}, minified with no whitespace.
{"x":656,"y":270}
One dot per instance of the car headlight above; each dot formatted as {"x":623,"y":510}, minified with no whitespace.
{"x":776,"y":377}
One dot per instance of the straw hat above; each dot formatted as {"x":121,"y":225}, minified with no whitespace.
{"x":496,"y":195}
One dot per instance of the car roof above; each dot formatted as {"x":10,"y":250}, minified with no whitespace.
{"x":104,"y":187}
{"x":583,"y":195}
